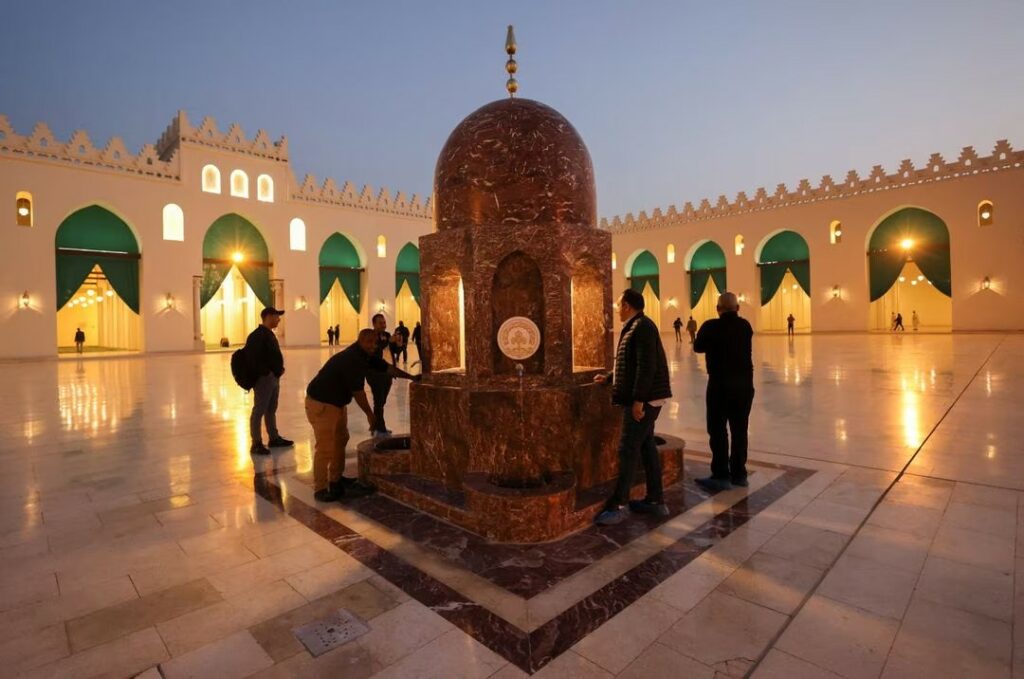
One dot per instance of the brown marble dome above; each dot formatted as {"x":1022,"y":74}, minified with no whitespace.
{"x":514,"y":161}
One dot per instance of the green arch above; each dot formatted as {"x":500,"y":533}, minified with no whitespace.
{"x":645,"y":270}
{"x":227,"y":235}
{"x":339,"y":261}
{"x":930,"y":252}
{"x":786,"y":250}
{"x":96,"y":236}
{"x":407,"y":270}
{"x":707,"y":262}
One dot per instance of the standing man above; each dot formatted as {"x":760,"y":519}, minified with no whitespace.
{"x":330,"y":335}
{"x":726,"y":341}
{"x":339,"y":382}
{"x":915,"y":321}
{"x":678,"y":325}
{"x":416,"y":336}
{"x":337,"y":335}
{"x":691,"y":329}
{"x":640,"y":386}
{"x":790,"y":322}
{"x":380,"y":382}
{"x":403,"y":332}
{"x":266,"y":365}
{"x":898,"y":325}
{"x":79,"y":340}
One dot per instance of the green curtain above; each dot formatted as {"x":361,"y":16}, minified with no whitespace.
{"x":643,"y":271}
{"x":802,"y":273}
{"x":407,"y":269}
{"x":930,"y":250}
{"x":103,"y":233}
{"x":340,"y":261}
{"x":698,"y":282}
{"x":771,"y":279}
{"x":718,"y":276}
{"x":785,"y":246}
{"x":230,"y":234}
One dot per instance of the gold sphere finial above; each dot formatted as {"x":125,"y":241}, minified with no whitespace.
{"x":512,"y":85}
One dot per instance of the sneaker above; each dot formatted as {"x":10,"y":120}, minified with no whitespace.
{"x":742,"y":483}
{"x":326,"y":495}
{"x":259,"y":449}
{"x":647,"y":507}
{"x":610,"y":517}
{"x":280,"y":442}
{"x":714,"y":484}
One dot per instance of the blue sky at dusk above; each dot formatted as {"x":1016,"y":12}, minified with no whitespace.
{"x":677,"y":100}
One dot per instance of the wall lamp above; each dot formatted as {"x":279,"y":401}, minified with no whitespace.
{"x":986,"y":283}
{"x":25,"y":300}
{"x":301,"y":303}
{"x":836,"y":292}
{"x":169,"y":301}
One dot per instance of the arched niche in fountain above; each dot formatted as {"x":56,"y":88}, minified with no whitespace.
{"x":517,"y":290}
{"x":444,"y":341}
{"x":588,"y":317}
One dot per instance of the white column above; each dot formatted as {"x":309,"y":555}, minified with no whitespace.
{"x":197,"y":328}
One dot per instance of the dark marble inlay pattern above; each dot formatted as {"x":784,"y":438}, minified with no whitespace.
{"x":531,"y":651}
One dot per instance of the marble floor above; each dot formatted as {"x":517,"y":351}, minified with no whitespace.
{"x":879,"y":536}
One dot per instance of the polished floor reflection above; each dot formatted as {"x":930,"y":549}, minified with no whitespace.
{"x":132,"y":534}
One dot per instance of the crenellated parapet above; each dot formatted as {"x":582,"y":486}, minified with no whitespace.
{"x":329,"y":193}
{"x":234,"y":140}
{"x":79,"y":150}
{"x":969,"y":163}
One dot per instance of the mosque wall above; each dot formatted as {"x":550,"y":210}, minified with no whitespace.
{"x":840,"y":299}
{"x":62,"y":180}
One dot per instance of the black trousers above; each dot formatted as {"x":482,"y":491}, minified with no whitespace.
{"x":380,"y":387}
{"x":728,"y":410}
{"x":637,"y":445}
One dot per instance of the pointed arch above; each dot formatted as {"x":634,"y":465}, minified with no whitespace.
{"x":643,"y":269}
{"x":232,"y":240}
{"x":407,"y":270}
{"x":705,"y":262}
{"x":95,"y":236}
{"x":340,"y":261}
{"x":909,"y":234}
{"x":781,"y":252}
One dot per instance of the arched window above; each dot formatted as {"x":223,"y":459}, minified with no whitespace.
{"x":174,"y":222}
{"x":835,"y":232}
{"x":986,"y":213}
{"x":297,"y":234}
{"x":211,"y":179}
{"x":239,"y":184}
{"x":670,"y":254}
{"x":23,"y":208}
{"x":614,"y":262}
{"x":739,"y":245}
{"x":265,"y":189}
{"x":382,"y":246}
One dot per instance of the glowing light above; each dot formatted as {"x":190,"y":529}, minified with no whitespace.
{"x":237,"y":257}
{"x":23,"y":211}
{"x":81,"y":298}
{"x":91,"y":293}
{"x":911,"y":419}
{"x":920,"y":278}
{"x":99,"y":299}
{"x":986,"y":283}
{"x":25,"y":300}
{"x":110,"y":293}
{"x":836,"y":292}
{"x":906,"y":243}
{"x":902,"y":279}
{"x":913,"y":282}
{"x":613,"y":262}
{"x":839,"y":233}
{"x":986,"y":214}
{"x":794,"y":286}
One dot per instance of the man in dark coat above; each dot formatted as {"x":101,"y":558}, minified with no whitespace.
{"x":266,"y":365}
{"x":640,"y":386}
{"x":403,"y":332}
{"x":380,"y":382}
{"x":726,"y":342}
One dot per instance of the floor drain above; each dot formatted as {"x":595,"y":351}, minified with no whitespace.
{"x":328,"y":633}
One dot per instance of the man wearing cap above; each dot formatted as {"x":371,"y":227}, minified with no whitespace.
{"x":266,"y":365}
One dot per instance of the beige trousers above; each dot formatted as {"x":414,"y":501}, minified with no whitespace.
{"x":330,"y":432}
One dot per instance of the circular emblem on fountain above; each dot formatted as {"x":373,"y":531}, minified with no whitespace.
{"x":518,"y":338}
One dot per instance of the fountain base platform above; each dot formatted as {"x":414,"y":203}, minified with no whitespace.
{"x":538,"y":513}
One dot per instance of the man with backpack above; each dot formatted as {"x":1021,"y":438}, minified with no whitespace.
{"x":266,"y":365}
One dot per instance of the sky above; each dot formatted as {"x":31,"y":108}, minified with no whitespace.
{"x":677,"y":101}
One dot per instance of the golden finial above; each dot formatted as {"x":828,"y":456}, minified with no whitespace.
{"x":510,"y":48}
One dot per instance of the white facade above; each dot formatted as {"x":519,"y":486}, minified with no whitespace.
{"x":62,"y":177}
{"x":987,"y":260}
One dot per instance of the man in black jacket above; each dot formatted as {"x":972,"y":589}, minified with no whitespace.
{"x":640,"y":385}
{"x":726,"y":342}
{"x":266,"y":365}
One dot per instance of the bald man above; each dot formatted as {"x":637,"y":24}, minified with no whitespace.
{"x":726,"y":343}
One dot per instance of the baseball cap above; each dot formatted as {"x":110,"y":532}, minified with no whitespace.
{"x":271,"y":310}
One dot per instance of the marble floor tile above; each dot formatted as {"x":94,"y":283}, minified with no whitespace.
{"x":869,"y":585}
{"x":773,"y":582}
{"x":974,"y":549}
{"x":779,"y":665}
{"x":453,"y":654}
{"x":617,"y":642}
{"x":725,"y":633}
{"x":843,"y":639}
{"x":997,"y":521}
{"x":233,"y":657}
{"x":569,"y":665}
{"x":905,"y":551}
{"x":977,"y":590}
{"x":397,"y":632}
{"x":124,"y":657}
{"x":40,"y":647}
{"x":328,"y":577}
{"x":917,"y":520}
{"x":936,"y":640}
{"x":122,"y":619}
{"x":815,"y":547}
{"x":659,"y":660}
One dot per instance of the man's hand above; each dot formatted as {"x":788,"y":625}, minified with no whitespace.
{"x":638,"y":410}
{"x":600,"y":378}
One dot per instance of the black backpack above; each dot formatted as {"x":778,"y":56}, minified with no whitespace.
{"x":240,"y":370}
